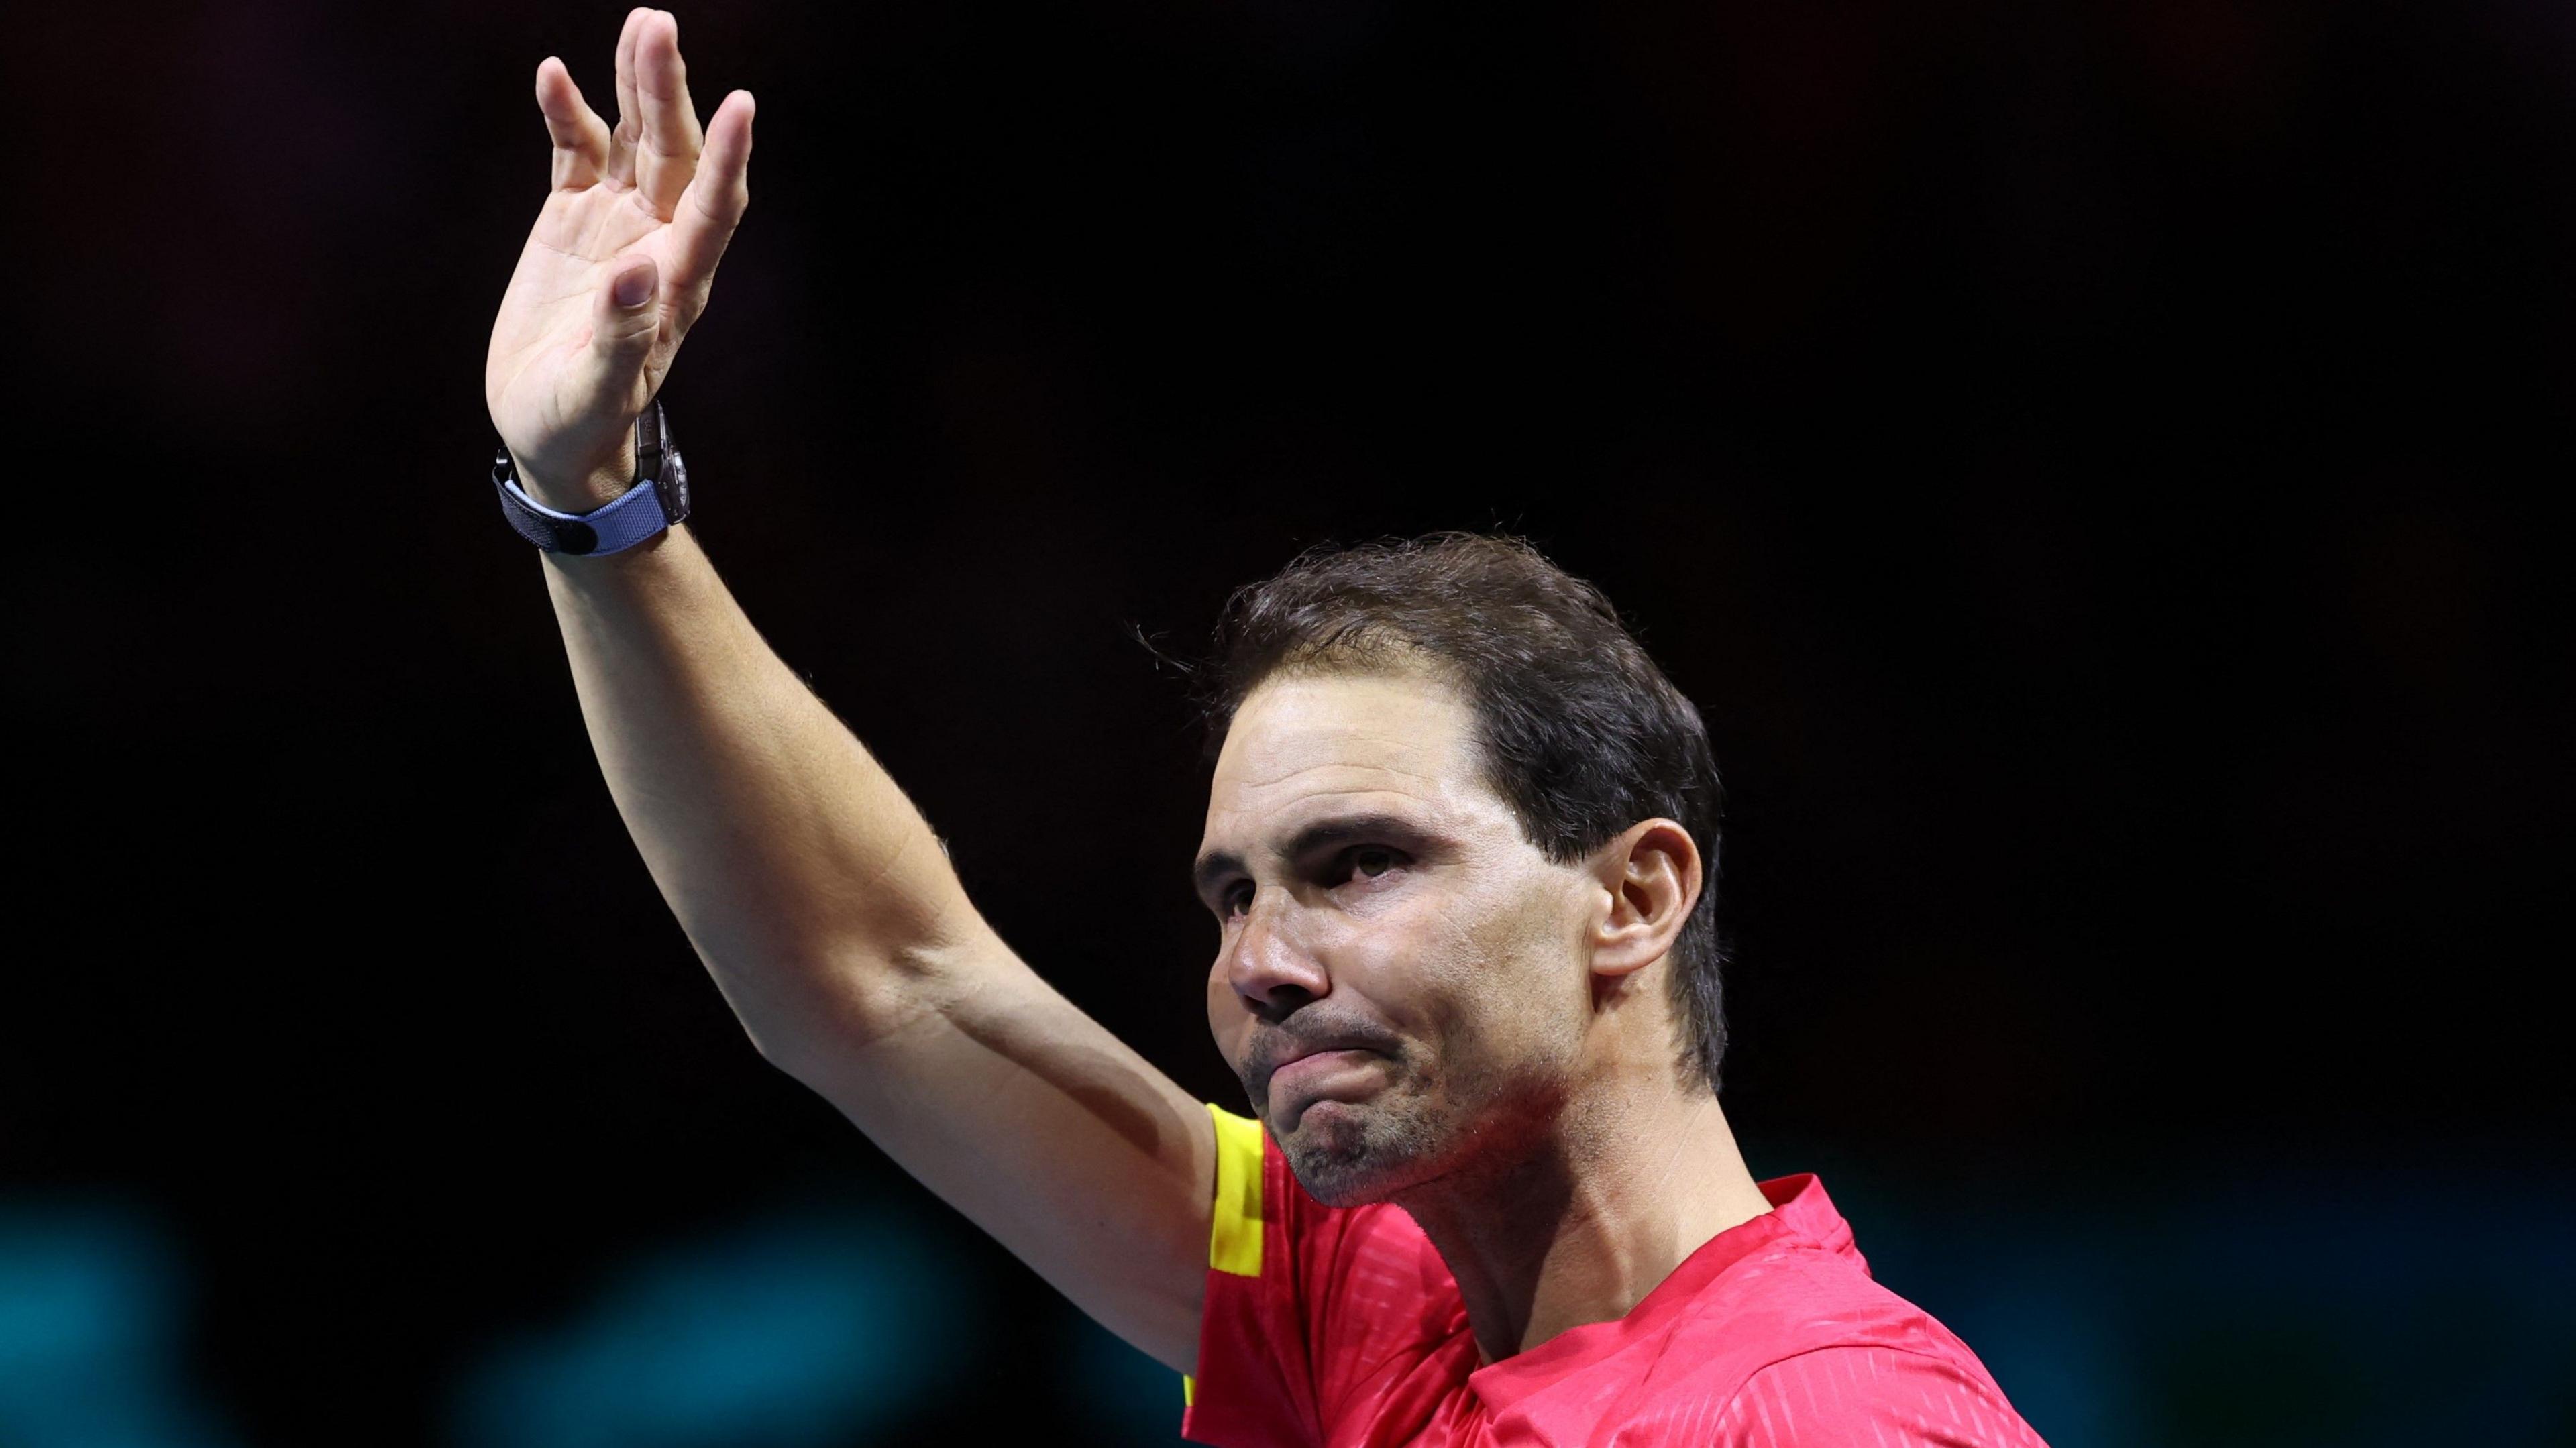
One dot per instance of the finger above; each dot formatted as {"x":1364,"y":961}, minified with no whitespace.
{"x":668,"y":156}
{"x":625,"y":319}
{"x":712,"y":207}
{"x":630,"y":112}
{"x":580,"y":136}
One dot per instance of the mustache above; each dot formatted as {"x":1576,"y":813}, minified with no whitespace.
{"x":1308,"y":1032}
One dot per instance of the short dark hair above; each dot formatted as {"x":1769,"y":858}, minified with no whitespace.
{"x":1582,"y":735}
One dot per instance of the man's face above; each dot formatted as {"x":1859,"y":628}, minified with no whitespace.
{"x":1401,"y":981}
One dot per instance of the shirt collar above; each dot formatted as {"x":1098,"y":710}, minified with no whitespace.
{"x":1800,"y":1212}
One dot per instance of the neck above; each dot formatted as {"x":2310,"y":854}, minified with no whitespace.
{"x":1582,"y":1229}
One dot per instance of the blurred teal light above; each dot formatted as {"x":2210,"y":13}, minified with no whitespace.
{"x":91,"y":1315}
{"x":801,"y":1331}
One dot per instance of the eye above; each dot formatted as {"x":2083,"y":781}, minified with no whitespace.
{"x":1370,"y":861}
{"x":1235,"y":900}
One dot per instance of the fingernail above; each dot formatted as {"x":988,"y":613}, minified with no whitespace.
{"x":634,"y":287}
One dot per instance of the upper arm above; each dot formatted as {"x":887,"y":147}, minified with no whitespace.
{"x":1048,"y":1132}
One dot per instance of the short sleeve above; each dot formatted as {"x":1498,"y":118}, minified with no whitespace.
{"x":1312,"y":1313}
{"x":1880,"y":1396}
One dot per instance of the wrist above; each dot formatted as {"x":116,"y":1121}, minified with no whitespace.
{"x":606,"y":507}
{"x":584,"y":491}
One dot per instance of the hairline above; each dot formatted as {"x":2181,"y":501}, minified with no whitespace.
{"x":1406,"y":660}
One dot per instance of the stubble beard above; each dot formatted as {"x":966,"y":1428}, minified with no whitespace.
{"x":1346,"y":1155}
{"x":1417,"y":1137}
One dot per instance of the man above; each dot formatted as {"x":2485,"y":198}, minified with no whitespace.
{"x":1458,"y":846}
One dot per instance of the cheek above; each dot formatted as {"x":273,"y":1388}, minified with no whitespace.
{"x":1522,"y":986}
{"x":1227,"y":1019}
{"x":1452,"y":969}
{"x":1407,"y":957}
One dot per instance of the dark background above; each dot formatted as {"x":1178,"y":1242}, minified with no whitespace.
{"x":2099,"y":468}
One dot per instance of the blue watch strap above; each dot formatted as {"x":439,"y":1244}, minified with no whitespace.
{"x":635,"y":516}
{"x":659,"y":498}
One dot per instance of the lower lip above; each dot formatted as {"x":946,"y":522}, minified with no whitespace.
{"x":1315,"y":1074}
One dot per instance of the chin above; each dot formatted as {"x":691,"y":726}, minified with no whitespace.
{"x":1347,"y":1155}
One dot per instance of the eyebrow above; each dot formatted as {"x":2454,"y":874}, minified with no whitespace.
{"x":1215,"y":865}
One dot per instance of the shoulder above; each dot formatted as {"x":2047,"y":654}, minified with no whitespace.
{"x":1792,"y":1296}
{"x":1873,"y":1392}
{"x":1802,"y":1345}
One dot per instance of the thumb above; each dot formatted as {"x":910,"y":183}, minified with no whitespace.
{"x":626,"y":318}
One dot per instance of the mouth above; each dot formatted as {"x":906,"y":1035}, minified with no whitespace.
{"x":1344,"y":1074}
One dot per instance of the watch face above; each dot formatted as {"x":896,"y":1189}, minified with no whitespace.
{"x":673,"y":485}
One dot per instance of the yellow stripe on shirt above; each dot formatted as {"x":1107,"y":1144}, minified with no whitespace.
{"x":1234,"y":1226}
{"x":1234,"y":1231}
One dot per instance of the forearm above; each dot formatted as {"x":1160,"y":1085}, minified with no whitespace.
{"x":817,"y":896}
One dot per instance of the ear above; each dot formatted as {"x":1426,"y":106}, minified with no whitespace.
{"x":1651,"y":876}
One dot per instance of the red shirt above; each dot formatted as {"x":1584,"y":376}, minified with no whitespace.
{"x":1337,"y":1328}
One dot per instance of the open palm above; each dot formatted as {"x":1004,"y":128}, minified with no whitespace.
{"x":618,"y":266}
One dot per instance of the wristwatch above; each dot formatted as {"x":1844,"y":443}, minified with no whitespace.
{"x":659,"y":498}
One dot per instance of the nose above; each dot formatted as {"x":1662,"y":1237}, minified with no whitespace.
{"x":1270,"y":969}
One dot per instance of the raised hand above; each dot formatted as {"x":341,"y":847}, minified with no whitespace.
{"x":617,"y":268}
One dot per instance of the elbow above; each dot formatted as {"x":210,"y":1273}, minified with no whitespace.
{"x":819,"y":1015}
